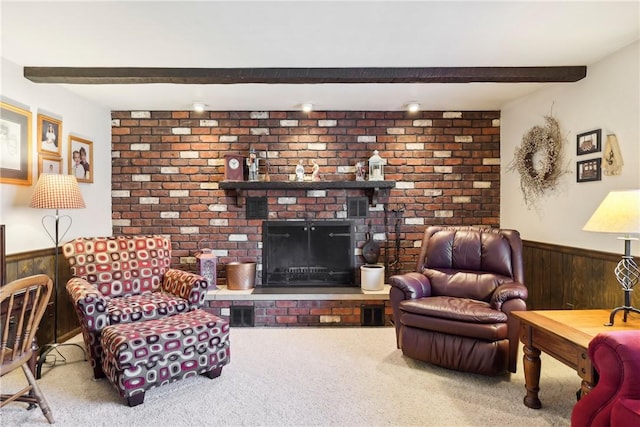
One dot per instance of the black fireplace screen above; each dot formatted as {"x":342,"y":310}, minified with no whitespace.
{"x":308,"y":253}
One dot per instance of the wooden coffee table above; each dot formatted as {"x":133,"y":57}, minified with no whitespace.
{"x":565,"y":335}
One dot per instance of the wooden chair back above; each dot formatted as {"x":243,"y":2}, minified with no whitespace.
{"x":23,"y":303}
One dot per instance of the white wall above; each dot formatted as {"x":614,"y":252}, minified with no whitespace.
{"x":608,"y":99}
{"x":79,"y":117}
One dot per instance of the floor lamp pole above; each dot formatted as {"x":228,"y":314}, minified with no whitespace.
{"x":48,"y":348}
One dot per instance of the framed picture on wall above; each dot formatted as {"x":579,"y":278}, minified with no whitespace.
{"x":81,"y":158}
{"x":589,"y":170}
{"x":15,"y":145}
{"x":49,"y":133}
{"x":589,"y":142}
{"x":49,"y":164}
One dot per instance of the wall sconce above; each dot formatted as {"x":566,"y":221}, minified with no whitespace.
{"x":619,"y":212}
{"x":199,"y":107}
{"x":307,"y":107}
{"x":413,"y":107}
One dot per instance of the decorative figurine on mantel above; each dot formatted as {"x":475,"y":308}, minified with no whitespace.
{"x":299,"y":172}
{"x":361,"y":171}
{"x":266,"y":176}
{"x":252,"y":162}
{"x":315,"y":175}
{"x":376,"y":167}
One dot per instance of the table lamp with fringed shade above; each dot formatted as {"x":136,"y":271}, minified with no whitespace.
{"x":56,"y":192}
{"x":619,"y":213}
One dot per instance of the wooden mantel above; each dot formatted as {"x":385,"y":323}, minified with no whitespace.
{"x":372,"y":187}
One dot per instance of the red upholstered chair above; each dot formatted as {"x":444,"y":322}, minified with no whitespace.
{"x":126,"y":279}
{"x":615,"y":399}
{"x":453,"y":311}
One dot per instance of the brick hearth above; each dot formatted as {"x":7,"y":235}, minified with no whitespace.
{"x":318,"y":309}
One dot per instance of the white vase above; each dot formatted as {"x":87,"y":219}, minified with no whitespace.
{"x":372,"y":277}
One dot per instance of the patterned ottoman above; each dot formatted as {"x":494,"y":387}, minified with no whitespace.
{"x":139,"y":356}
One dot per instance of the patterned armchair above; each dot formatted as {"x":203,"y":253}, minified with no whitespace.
{"x":126,"y":279}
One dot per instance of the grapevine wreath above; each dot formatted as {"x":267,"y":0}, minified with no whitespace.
{"x":538,"y":160}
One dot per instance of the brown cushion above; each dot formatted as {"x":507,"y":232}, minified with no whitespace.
{"x":455,"y":316}
{"x":475,"y":285}
{"x":460,"y":309}
{"x":472,"y":250}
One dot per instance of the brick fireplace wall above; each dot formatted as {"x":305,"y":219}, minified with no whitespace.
{"x":167,"y":166}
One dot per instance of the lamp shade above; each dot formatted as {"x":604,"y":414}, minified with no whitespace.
{"x":619,"y":212}
{"x":57,"y":192}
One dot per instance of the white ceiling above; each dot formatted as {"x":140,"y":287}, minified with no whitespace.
{"x":218,"y":34}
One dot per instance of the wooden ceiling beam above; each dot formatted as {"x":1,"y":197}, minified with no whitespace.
{"x":133,"y":75}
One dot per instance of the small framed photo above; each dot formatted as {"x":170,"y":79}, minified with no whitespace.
{"x":49,"y":164}
{"x":589,"y":170}
{"x":589,"y":142}
{"x":81,"y":158}
{"x":15,"y":145}
{"x":49,"y":132}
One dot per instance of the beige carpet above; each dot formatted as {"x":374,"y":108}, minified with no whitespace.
{"x":307,"y":377}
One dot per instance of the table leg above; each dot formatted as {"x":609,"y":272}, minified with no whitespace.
{"x":587,"y":372}
{"x":585,"y":388}
{"x":531,"y":362}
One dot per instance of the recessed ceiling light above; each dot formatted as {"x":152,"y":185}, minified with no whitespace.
{"x":413,"y":107}
{"x":308,"y":107}
{"x":198,"y":107}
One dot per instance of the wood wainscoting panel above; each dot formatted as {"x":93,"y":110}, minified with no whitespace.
{"x":558,"y":277}
{"x":543,"y":277}
{"x":43,"y":262}
{"x":562,"y":277}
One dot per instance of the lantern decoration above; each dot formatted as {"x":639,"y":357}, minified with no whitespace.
{"x":207,"y":264}
{"x":376,"y":167}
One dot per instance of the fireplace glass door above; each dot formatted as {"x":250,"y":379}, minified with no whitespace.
{"x":303,"y":253}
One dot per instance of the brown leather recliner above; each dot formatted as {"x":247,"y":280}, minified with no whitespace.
{"x":454,"y":310}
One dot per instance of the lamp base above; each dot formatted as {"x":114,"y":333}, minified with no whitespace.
{"x":626,"y":308}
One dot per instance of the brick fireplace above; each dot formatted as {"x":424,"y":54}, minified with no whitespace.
{"x":167,"y":167}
